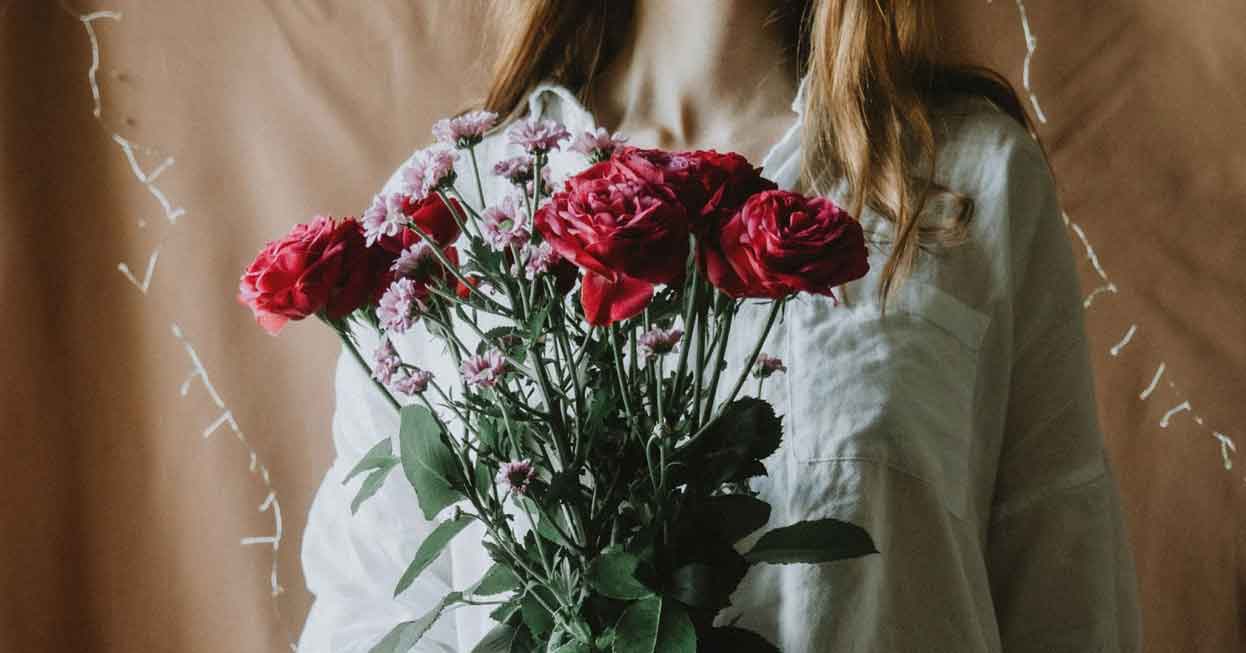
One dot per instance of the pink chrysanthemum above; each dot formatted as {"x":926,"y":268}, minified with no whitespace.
{"x":597,"y":144}
{"x":537,"y":135}
{"x":385,"y":217}
{"x":517,"y":169}
{"x":385,"y":363}
{"x":538,"y":259}
{"x":400,"y":306}
{"x":484,"y":370}
{"x":502,"y":225}
{"x":658,"y":341}
{"x":430,"y":169}
{"x":767,"y":365}
{"x":466,"y":130}
{"x":414,"y":260}
{"x":516,"y":476}
{"x":415,"y":381}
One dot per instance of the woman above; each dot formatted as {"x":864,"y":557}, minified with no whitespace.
{"x":958,"y":426}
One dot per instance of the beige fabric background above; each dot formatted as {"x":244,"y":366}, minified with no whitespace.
{"x":160,"y":452}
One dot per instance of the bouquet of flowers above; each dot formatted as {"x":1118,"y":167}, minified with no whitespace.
{"x":592,"y":432}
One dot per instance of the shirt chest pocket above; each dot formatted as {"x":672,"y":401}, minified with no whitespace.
{"x":896,"y":390}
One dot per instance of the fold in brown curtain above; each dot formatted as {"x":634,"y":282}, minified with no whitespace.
{"x":160,"y":452}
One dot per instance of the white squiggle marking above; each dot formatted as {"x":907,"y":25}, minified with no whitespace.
{"x":270,"y":503}
{"x":1107,"y":286}
{"x":87,"y":20}
{"x":1227,"y":449}
{"x":1154,"y":382}
{"x":148,"y":179}
{"x":1198,"y":420}
{"x":1031,"y":45}
{"x":151,"y":267}
{"x":1183,"y":406}
{"x":1116,"y":349}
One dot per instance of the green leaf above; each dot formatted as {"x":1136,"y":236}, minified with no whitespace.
{"x":747,"y":431}
{"x":379,"y":456}
{"x":426,"y":460}
{"x":431,"y":548}
{"x":655,"y":625}
{"x":504,"y":612}
{"x":736,"y":515}
{"x":372,"y":484}
{"x":819,"y":540}
{"x":612,"y":574}
{"x":572,"y":646}
{"x":502,"y":639}
{"x":406,"y":634}
{"x":545,"y":523}
{"x":538,"y":619}
{"x":488,"y":433}
{"x":498,"y":579}
{"x":697,"y":585}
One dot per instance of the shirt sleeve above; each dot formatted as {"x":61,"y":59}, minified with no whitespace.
{"x":352,"y":562}
{"x":1060,"y":566}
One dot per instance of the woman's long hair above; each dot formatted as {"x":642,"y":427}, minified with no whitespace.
{"x":874,"y":80}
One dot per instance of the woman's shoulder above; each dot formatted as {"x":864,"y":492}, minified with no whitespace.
{"x":976,"y":140}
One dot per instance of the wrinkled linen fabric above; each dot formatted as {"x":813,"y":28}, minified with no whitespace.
{"x":959,"y":428}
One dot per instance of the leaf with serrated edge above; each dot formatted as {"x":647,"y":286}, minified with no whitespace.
{"x":430,"y":549}
{"x":406,"y":634}
{"x":612,"y":574}
{"x":498,"y":579}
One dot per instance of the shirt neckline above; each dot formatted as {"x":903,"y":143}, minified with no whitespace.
{"x":586,"y":119}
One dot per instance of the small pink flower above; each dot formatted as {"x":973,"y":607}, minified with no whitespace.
{"x":385,"y":363}
{"x":414,"y":382}
{"x":537,"y":135}
{"x":658,"y":341}
{"x":430,"y":169}
{"x":516,"y":476}
{"x":539,"y":259}
{"x":385,"y":217}
{"x":767,"y":365}
{"x":597,"y":144}
{"x":502,"y":225}
{"x":400,"y":306}
{"x":484,"y":370}
{"x":517,"y":169}
{"x":466,"y":130}
{"x":414,"y":261}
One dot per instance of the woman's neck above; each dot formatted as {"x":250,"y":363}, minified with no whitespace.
{"x":704,"y":73}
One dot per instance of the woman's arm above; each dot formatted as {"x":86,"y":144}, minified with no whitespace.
{"x":352,"y":562}
{"x":1061,"y":569}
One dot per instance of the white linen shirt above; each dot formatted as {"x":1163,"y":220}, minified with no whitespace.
{"x":960,"y":430}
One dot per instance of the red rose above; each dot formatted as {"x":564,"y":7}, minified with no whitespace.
{"x":724,"y":182}
{"x":432,"y":216}
{"x":318,"y":266}
{"x":625,"y":230}
{"x":780,"y":243}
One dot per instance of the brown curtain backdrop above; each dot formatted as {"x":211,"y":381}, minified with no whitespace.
{"x":160,"y":452}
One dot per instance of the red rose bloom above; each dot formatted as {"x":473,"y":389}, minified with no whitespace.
{"x":724,"y":183}
{"x":318,"y":266}
{"x":624,"y":229}
{"x":780,"y":243}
